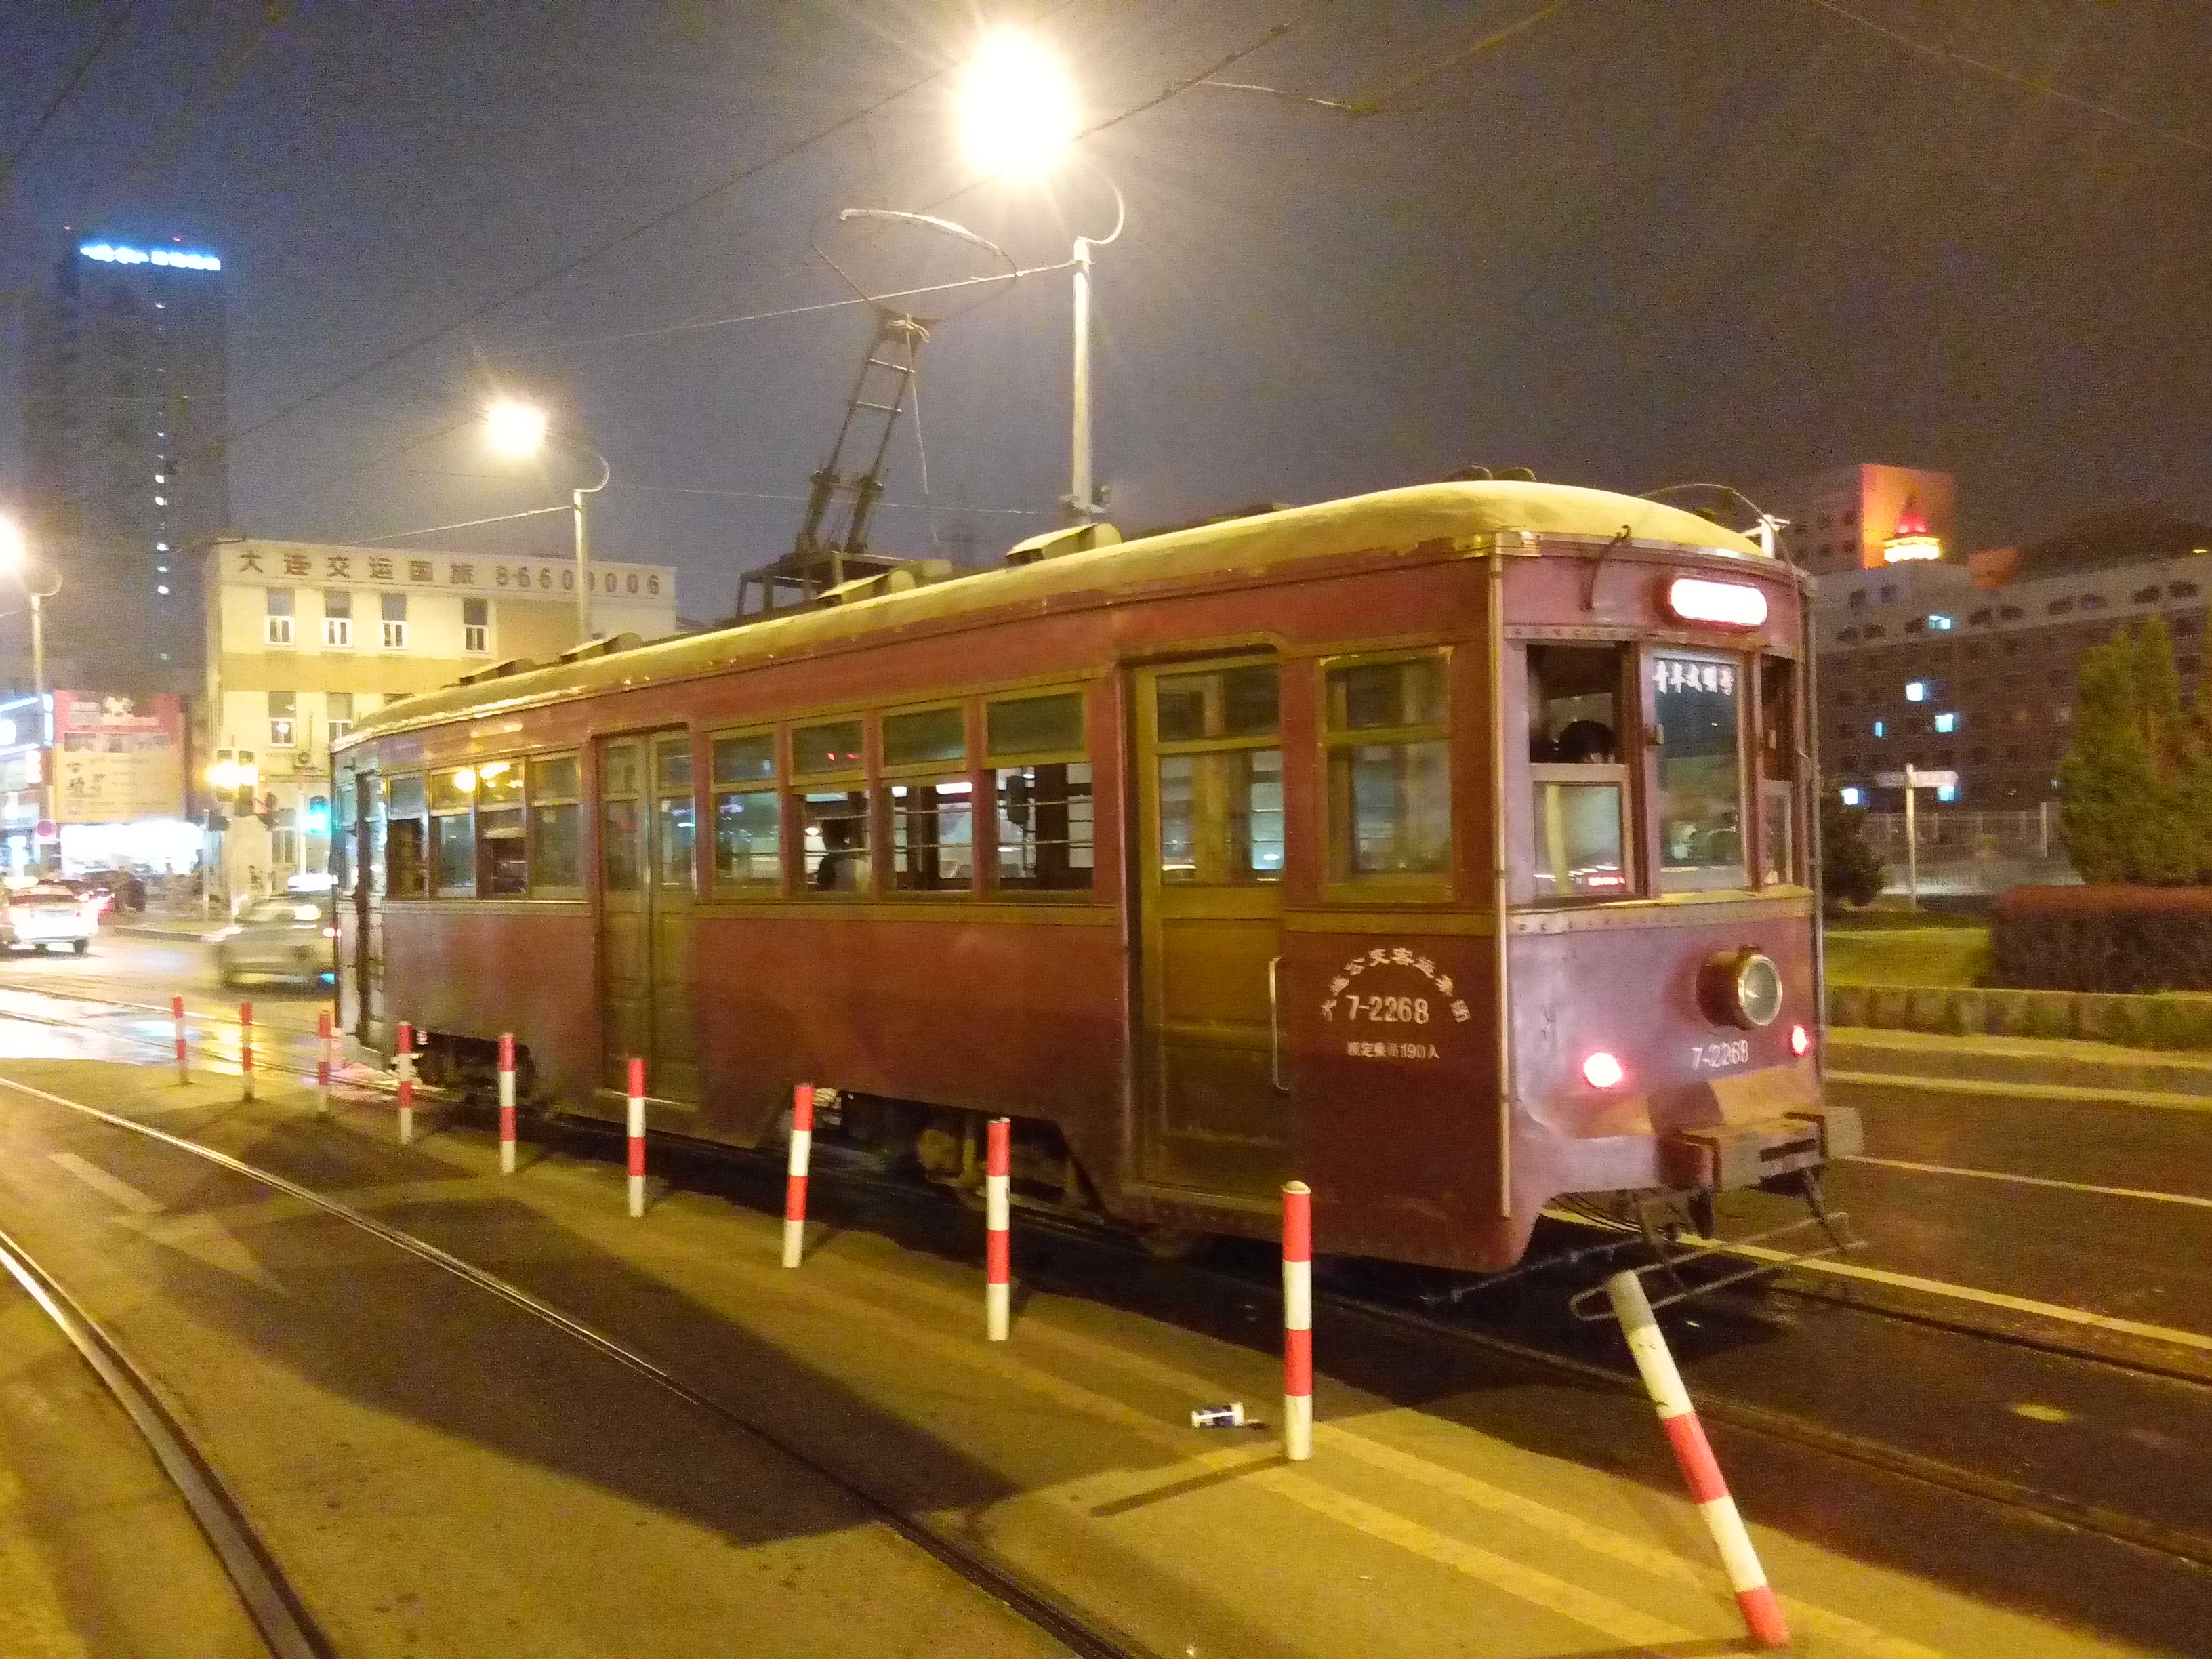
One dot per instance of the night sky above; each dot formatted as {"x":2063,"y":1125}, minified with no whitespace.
{"x":1638,"y":242}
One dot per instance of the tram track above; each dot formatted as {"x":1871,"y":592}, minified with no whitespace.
{"x":278,"y":1613}
{"x":1036,"y":1604}
{"x":1405,"y":1316}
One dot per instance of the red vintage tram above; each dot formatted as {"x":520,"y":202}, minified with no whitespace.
{"x":1445,"y":847}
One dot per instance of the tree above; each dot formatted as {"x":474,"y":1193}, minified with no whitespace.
{"x":2134,"y":787}
{"x":1849,"y":872}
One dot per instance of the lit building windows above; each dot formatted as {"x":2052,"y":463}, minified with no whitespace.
{"x":1947,"y":793}
{"x":1916,"y":691}
{"x":1940,"y":622}
{"x":1881,"y":728}
{"x":1853,"y":795}
{"x":1947,"y":724}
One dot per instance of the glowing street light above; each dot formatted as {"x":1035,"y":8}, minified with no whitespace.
{"x":518,"y":430}
{"x":1017,"y":117}
{"x":15,"y":549}
{"x":1018,"y":111}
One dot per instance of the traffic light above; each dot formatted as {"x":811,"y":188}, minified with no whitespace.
{"x":318,"y":815}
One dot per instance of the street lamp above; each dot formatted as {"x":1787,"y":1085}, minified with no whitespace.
{"x":519,"y":430}
{"x":15,"y":561}
{"x":1017,"y":117}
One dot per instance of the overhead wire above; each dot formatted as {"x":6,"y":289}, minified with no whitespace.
{"x":2042,"y":88}
{"x":78,"y":72}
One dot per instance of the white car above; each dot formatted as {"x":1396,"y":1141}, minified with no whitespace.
{"x":48,"y":918}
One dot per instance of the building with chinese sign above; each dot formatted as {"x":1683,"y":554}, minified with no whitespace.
{"x":106,"y":772}
{"x":304,"y":638}
{"x":1864,"y":516}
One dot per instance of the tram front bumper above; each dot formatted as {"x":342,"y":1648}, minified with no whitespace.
{"x":1727,"y":1156}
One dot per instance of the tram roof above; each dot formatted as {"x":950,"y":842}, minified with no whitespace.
{"x":1461,"y":515}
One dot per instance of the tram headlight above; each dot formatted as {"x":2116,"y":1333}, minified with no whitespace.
{"x":1741,"y":988}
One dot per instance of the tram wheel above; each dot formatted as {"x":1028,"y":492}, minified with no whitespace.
{"x":1164,"y":1243}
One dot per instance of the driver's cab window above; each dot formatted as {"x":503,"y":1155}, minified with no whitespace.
{"x":1698,"y":706}
{"x":1578,"y":787}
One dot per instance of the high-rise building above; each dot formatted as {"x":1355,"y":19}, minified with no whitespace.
{"x":1864,"y":516}
{"x":124,"y":409}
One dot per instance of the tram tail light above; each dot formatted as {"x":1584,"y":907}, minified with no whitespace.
{"x":1731,"y":605}
{"x":1800,"y":1040}
{"x":1602,"y":1071}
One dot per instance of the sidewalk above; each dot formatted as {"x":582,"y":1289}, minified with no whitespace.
{"x":189,"y":924}
{"x":2070,"y":1068}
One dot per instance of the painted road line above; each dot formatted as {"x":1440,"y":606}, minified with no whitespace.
{"x":121,"y":1192}
{"x":2030,"y":1180}
{"x":2059,"y":1093}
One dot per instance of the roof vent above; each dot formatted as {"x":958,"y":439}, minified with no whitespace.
{"x":605,"y":647}
{"x":902,"y":578}
{"x":1075,"y":539}
{"x":498,"y":670}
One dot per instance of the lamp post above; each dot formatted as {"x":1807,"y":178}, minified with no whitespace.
{"x":15,"y":559}
{"x":520,"y":430}
{"x":1017,"y":116}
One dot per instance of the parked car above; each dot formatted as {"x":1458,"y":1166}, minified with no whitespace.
{"x":49,"y":916}
{"x":278,"y":938}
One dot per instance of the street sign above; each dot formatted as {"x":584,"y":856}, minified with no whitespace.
{"x":1916,"y":779}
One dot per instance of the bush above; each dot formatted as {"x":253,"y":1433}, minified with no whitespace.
{"x":2103,"y":939}
{"x":1848,"y":872}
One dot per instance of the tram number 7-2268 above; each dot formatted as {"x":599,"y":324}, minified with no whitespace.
{"x":1390,"y":1010}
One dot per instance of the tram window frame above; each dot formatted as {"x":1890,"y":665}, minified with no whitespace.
{"x":906,"y":851}
{"x":345,"y":828}
{"x":1548,"y":776}
{"x":675,"y":803}
{"x":751,"y":789}
{"x":404,"y":866}
{"x":813,"y":792}
{"x":1699,"y":877}
{"x":553,"y":802}
{"x":1027,"y":779}
{"x":1779,"y":773}
{"x":1224,"y":841}
{"x":1340,"y":743}
{"x":615,"y":797}
{"x":453,"y":841}
{"x":502,"y":828}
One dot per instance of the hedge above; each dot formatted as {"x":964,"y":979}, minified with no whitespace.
{"x":2102,"y":938}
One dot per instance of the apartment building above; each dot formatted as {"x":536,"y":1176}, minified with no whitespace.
{"x":304,"y":638}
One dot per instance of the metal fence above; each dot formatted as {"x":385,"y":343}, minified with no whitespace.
{"x":1959,"y":854}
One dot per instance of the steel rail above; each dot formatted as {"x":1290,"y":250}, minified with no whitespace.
{"x":285,"y":1625}
{"x":1015,"y":1591}
{"x":1990,"y":1490}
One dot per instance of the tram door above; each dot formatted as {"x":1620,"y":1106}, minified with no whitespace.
{"x":647,"y":873}
{"x":1209,"y":776}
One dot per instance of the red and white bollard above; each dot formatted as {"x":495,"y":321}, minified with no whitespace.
{"x":177,"y":1014}
{"x":506,"y":1102}
{"x":794,"y":1183}
{"x":403,"y":1062}
{"x":998,"y":1221}
{"x":1762,"y":1613}
{"x":328,"y":1043}
{"x":246,"y":1051}
{"x":1297,"y":1321}
{"x":636,"y":1136}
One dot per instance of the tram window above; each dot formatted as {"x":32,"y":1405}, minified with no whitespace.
{"x":1389,"y":769}
{"x":932,"y":833}
{"x":1777,"y":770}
{"x":618,"y":770}
{"x":406,"y":874}
{"x":1221,"y":784}
{"x":926,"y":736}
{"x":1023,"y":727}
{"x":835,"y":747}
{"x":556,"y":825}
{"x":345,"y":825}
{"x":748,"y":822}
{"x":834,"y":837}
{"x":619,"y":823}
{"x":502,"y":853}
{"x":1578,"y":790}
{"x":1574,"y":703}
{"x":1696,"y":708}
{"x":1046,"y":828}
{"x":675,"y":816}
